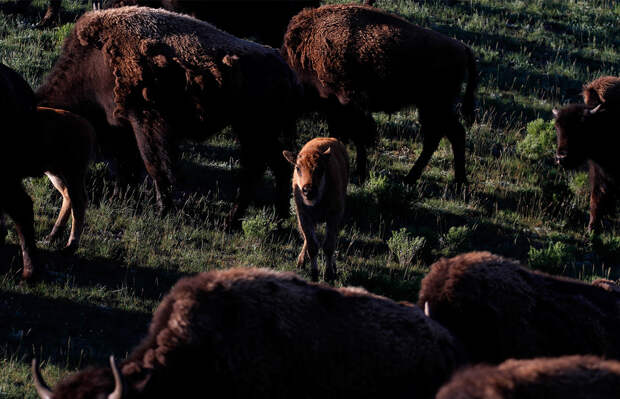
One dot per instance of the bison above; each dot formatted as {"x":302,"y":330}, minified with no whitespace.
{"x":51,"y":14}
{"x":55,"y":142}
{"x":602,"y":90}
{"x":320,"y":182}
{"x":568,"y":377}
{"x":356,"y":59}
{"x":499,"y":310}
{"x":585,"y":134}
{"x":157,"y":77}
{"x":264,"y":20}
{"x":242,"y":333}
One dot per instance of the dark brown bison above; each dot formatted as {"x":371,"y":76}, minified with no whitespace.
{"x":605,"y":89}
{"x":256,"y":333}
{"x":585,"y":134}
{"x":157,"y":77}
{"x":356,"y":59}
{"x":569,"y":377}
{"x":500,"y":310}
{"x":55,"y":142}
{"x":320,"y":181}
{"x":51,"y":14}
{"x":263,"y":20}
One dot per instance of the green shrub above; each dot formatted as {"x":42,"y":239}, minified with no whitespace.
{"x":554,"y":258}
{"x":540,"y":140}
{"x":405,"y":247}
{"x":579,"y":184}
{"x":259,"y":226}
{"x":456,"y":240}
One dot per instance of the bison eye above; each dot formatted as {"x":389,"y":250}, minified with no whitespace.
{"x":298,"y":169}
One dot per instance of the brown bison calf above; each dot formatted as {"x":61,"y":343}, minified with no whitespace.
{"x":602,"y":90}
{"x":585,"y":134}
{"x":356,"y":59}
{"x":256,"y":333}
{"x":159,"y":77}
{"x":59,"y":144}
{"x":569,"y":377}
{"x":320,"y":182}
{"x":500,"y":310}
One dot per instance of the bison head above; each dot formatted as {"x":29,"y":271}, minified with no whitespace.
{"x":572,"y":139}
{"x":88,"y":384}
{"x":309,"y":176}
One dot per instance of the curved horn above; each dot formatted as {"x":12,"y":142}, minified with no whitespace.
{"x":39,"y":383}
{"x":555,"y":112}
{"x":118,"y":381}
{"x":427,"y":309}
{"x":595,"y":109}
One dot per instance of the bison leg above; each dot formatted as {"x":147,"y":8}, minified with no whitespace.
{"x":74,"y":198}
{"x":431,"y":140}
{"x":63,"y":215}
{"x":311,"y":244}
{"x":151,"y":132}
{"x":51,"y":14}
{"x":456,"y":134}
{"x":600,"y":203}
{"x":281,"y":172}
{"x":329,"y":247}
{"x":18,"y":206}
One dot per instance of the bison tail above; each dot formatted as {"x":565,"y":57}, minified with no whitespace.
{"x":470,"y":90}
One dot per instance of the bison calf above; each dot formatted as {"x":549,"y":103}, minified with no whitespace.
{"x":585,"y":134}
{"x":602,"y":90}
{"x":256,"y":333}
{"x":355,"y":59}
{"x":569,"y":377}
{"x":500,"y":310}
{"x":320,"y":182}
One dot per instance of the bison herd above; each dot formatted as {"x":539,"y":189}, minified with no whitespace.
{"x":131,"y":82}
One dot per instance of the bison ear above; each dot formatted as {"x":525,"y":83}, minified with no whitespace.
{"x":555,"y":112}
{"x":290,"y":157}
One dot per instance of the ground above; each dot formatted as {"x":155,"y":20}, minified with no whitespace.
{"x":533,"y":55}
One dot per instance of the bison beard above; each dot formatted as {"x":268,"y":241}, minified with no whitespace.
{"x":160,"y":77}
{"x":256,"y":333}
{"x":354,"y":60}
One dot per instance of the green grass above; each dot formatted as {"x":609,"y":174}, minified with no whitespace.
{"x":533,"y":55}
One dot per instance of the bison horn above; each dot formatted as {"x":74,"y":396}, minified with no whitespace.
{"x":118,"y":381}
{"x":596,"y":109}
{"x":555,"y":112}
{"x":39,"y":383}
{"x":427,"y":309}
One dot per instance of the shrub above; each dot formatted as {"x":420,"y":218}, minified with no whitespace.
{"x":540,"y":140}
{"x":554,"y":258}
{"x":405,"y":247}
{"x":259,"y":226}
{"x":456,"y":240}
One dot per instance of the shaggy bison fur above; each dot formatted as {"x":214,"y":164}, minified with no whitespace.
{"x":320,"y":181}
{"x":155,"y":77}
{"x":256,"y":333}
{"x":500,"y":310}
{"x":264,"y":20}
{"x":585,"y":134}
{"x":569,"y":377}
{"x":602,"y":90}
{"x":356,"y":59}
{"x":42,"y":140}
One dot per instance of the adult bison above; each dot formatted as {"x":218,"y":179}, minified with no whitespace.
{"x":263,"y":20}
{"x":256,"y":333}
{"x":585,"y":134}
{"x":159,"y":77}
{"x":500,"y":310}
{"x":356,"y":59}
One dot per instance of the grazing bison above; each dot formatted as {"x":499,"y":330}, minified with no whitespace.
{"x":355,"y":59}
{"x":585,"y":134}
{"x":500,"y":310}
{"x":320,"y":182}
{"x":264,"y":20}
{"x":160,"y":77}
{"x":51,"y":14}
{"x":256,"y":333}
{"x":55,"y":142}
{"x":569,"y":377}
{"x":602,"y":90}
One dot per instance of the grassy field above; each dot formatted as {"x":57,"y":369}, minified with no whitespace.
{"x":533,"y":55}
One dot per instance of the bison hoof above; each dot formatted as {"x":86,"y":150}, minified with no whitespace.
{"x":70,"y":248}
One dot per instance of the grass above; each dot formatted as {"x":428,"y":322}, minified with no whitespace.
{"x":533,"y":56}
